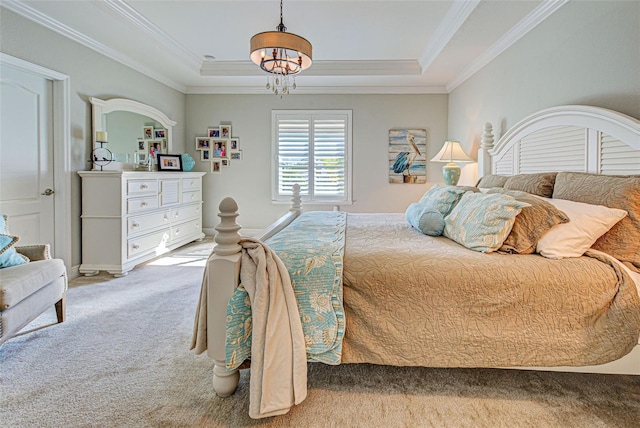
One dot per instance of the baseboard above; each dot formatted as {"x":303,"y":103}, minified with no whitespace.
{"x":74,"y":272}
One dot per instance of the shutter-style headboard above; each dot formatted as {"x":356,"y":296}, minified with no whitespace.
{"x":565,"y":138}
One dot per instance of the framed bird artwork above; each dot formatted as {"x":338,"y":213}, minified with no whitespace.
{"x":407,"y":156}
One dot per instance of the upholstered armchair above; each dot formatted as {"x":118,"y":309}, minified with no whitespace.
{"x":28,"y":289}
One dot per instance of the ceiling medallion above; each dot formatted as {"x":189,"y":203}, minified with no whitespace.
{"x":282,"y":55}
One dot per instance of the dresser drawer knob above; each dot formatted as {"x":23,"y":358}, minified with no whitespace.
{"x":143,"y":204}
{"x":135,"y":225}
{"x":135,"y":246}
{"x":143,"y":186}
{"x":165,"y":218}
{"x":177,"y":231}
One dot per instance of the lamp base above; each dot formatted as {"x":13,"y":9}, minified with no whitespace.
{"x":451,"y":174}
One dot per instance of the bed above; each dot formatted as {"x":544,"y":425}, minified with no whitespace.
{"x":411,"y":299}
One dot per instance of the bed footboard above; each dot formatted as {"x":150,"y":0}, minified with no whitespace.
{"x":223,"y":277}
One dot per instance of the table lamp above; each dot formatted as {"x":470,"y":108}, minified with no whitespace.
{"x":451,"y":152}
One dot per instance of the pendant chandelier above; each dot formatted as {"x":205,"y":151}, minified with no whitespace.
{"x":282,"y":55}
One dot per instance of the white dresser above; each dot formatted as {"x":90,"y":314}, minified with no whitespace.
{"x":129,"y":217}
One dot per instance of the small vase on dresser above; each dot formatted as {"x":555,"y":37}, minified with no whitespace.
{"x":129,"y":217}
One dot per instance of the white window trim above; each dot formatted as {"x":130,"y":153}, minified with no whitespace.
{"x":348,"y":198}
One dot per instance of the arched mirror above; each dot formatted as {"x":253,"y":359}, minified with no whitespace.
{"x":135,"y":132}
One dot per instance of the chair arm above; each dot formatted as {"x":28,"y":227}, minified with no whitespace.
{"x":35,"y":252}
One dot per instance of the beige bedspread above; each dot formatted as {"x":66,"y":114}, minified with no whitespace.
{"x":415,"y":300}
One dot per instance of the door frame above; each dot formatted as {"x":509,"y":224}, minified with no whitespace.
{"x":61,"y":152}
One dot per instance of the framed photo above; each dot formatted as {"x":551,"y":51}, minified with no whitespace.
{"x":142,"y":146}
{"x":169,"y":162}
{"x":205,"y":155}
{"x":235,"y":155}
{"x":147,"y":132}
{"x":224,"y":162}
{"x":159,"y":133}
{"x":225,"y":131}
{"x":202,"y":143}
{"x":219,"y":148}
{"x":155,"y":148}
{"x":214,"y":132}
{"x":216,"y":167}
{"x":234,"y":144}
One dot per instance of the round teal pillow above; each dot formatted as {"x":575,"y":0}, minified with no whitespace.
{"x":426,"y":219}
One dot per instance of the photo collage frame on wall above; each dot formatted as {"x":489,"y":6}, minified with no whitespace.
{"x":152,"y":143}
{"x":219,"y":148}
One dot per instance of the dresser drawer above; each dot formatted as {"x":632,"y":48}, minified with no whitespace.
{"x":140,"y":187}
{"x":185,"y":213}
{"x":136,"y":205}
{"x":141,"y":223}
{"x":193,"y":196}
{"x":191,"y":184}
{"x":146,"y":243}
{"x":185,"y":230}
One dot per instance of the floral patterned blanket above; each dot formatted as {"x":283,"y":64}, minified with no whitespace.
{"x":315,"y":268}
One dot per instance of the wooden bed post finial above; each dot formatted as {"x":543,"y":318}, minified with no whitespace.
{"x":486,"y":144}
{"x":227,"y":239}
{"x":296,"y":201}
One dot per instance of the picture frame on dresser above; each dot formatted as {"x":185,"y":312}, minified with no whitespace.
{"x":169,"y":162}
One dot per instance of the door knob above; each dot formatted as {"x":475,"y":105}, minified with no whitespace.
{"x":47,"y":192}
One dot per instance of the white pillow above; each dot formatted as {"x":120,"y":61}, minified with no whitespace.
{"x":586,"y":224}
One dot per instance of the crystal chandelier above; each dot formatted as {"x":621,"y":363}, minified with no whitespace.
{"x":282,"y":55}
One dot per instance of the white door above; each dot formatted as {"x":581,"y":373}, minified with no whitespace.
{"x":26,"y":155}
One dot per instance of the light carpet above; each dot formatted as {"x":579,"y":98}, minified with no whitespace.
{"x":122,"y":359}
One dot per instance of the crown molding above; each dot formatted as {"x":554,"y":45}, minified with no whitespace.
{"x":528,"y":23}
{"x":318,"y":90}
{"x":56,"y":26}
{"x":456,"y":16}
{"x":319,"y":68}
{"x":153,"y":31}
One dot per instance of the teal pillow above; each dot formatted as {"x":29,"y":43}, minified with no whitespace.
{"x":481,"y":222}
{"x":8,"y":255}
{"x":427,"y":220}
{"x":442,"y":199}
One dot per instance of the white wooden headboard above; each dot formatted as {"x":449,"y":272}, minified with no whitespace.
{"x":565,"y":138}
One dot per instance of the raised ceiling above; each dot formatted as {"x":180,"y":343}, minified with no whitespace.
{"x":358,"y":46}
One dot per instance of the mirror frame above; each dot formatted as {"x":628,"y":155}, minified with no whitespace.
{"x":101,"y":107}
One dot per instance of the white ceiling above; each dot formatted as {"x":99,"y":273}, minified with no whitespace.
{"x":419,"y":46}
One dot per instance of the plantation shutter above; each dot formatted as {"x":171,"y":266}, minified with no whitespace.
{"x":312,"y":150}
{"x":294,"y":140}
{"x":329,"y":141}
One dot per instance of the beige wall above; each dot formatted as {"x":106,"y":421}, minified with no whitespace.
{"x":91,"y":75}
{"x":249,"y":181}
{"x":588,"y":52}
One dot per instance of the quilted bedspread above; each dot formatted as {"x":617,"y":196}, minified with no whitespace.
{"x":312,"y":249}
{"x":416,"y":300}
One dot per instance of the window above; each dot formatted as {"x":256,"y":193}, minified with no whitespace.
{"x":313,"y":149}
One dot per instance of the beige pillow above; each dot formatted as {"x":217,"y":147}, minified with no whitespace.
{"x":531,"y":224}
{"x":623,"y":192}
{"x":492,"y":181}
{"x":540,"y":184}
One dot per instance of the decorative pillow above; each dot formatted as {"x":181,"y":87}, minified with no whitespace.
{"x":8,"y":255}
{"x":481,"y":222}
{"x":623,"y":240}
{"x":586,"y":224}
{"x":492,"y":180}
{"x":532,"y":222}
{"x":540,"y":184}
{"x":427,"y":220}
{"x":442,"y":199}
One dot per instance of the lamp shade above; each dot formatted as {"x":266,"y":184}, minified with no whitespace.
{"x":451,"y":151}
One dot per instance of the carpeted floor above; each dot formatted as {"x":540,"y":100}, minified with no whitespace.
{"x":122,"y":359}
